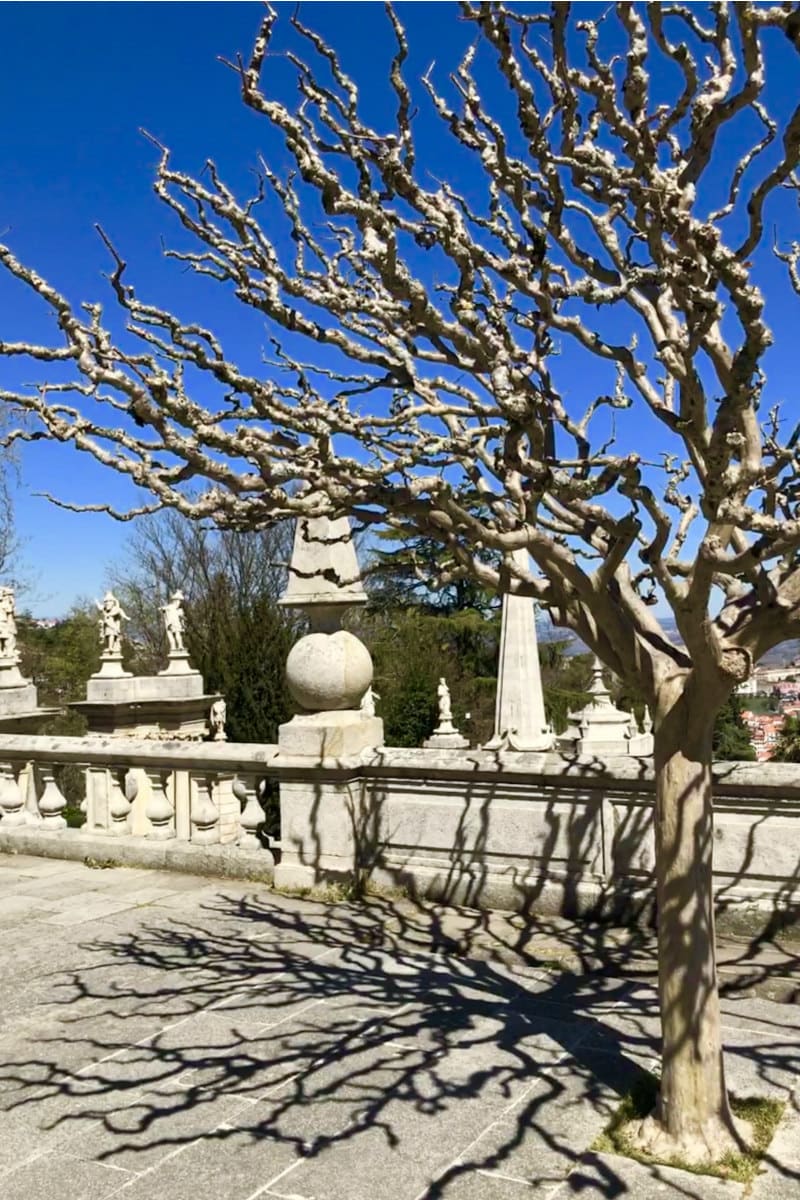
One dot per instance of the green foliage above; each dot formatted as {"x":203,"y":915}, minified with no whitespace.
{"x":731,"y":736}
{"x":59,"y":660}
{"x":399,"y":566}
{"x":240,"y":648}
{"x":565,"y":679}
{"x":412,"y":648}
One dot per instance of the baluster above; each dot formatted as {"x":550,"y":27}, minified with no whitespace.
{"x":246,"y":792}
{"x":52,"y":801}
{"x":203,"y":813}
{"x":158,"y":809}
{"x":12,"y":801}
{"x":124,"y":789}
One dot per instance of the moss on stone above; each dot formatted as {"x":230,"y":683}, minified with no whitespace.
{"x":763,"y":1116}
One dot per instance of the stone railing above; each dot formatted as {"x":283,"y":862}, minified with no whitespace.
{"x":139,"y":794}
{"x":525,"y":831}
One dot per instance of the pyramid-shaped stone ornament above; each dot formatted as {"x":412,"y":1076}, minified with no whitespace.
{"x":519,"y":720}
{"x":324,"y":577}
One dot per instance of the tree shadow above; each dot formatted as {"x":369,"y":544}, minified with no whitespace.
{"x":303,"y":1029}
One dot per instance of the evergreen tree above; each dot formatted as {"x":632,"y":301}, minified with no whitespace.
{"x":731,"y":735}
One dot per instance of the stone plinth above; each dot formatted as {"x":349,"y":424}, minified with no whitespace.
{"x":172,"y":704}
{"x":177,"y":664}
{"x":19,"y":702}
{"x":341,"y":734}
{"x":446,"y":739}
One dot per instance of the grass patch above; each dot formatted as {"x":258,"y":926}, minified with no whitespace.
{"x":101,"y":864}
{"x":325,"y":893}
{"x":763,"y":1115}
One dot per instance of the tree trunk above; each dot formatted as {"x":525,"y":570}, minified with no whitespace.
{"x":693,"y":1120}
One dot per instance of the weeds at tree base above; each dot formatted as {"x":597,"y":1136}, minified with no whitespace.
{"x":349,"y":892}
{"x":763,"y":1115}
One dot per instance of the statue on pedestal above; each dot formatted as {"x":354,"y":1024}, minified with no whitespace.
{"x":111,"y":617}
{"x":175,"y":623}
{"x":8,"y":624}
{"x":445,"y":736}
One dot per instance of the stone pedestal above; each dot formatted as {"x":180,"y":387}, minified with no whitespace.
{"x":341,"y":734}
{"x":111,"y":666}
{"x":177,"y":664}
{"x":322,"y":811}
{"x":19,"y":702}
{"x":446,"y":737}
{"x":169,"y":705}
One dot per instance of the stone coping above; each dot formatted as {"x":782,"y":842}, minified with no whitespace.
{"x":625,"y":771}
{"x":102,"y":750}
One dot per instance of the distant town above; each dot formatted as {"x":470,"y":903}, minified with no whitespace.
{"x":770,"y":695}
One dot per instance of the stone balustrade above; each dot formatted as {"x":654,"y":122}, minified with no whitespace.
{"x":513,"y":830}
{"x":141,"y":793}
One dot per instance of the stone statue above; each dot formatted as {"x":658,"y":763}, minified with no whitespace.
{"x":216,"y":719}
{"x":111,"y":618}
{"x":445,"y":736}
{"x":175,"y":623}
{"x":368,"y":702}
{"x":445,"y":711}
{"x":8,"y":623}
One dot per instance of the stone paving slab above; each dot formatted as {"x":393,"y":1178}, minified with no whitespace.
{"x":220,"y":1041}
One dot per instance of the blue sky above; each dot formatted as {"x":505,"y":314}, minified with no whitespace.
{"x":77,"y":81}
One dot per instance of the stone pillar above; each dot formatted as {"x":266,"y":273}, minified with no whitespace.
{"x":519,"y":717}
{"x":329,"y":672}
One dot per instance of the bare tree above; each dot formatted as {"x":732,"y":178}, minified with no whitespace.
{"x":427,"y":397}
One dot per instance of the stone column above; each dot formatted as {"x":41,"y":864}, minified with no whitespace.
{"x":519,"y":717}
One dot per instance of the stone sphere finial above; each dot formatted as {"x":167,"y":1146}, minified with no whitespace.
{"x":328,"y":671}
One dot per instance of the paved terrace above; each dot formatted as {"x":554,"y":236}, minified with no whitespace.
{"x":172,"y":1038}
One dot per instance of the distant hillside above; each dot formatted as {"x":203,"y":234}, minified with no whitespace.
{"x":781,"y":656}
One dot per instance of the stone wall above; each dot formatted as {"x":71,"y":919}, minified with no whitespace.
{"x":534,"y":832}
{"x":522,"y":831}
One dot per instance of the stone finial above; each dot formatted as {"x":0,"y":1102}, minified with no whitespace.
{"x":519,"y":720}
{"x":324,"y":577}
{"x":601,"y":728}
{"x":329,"y":671}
